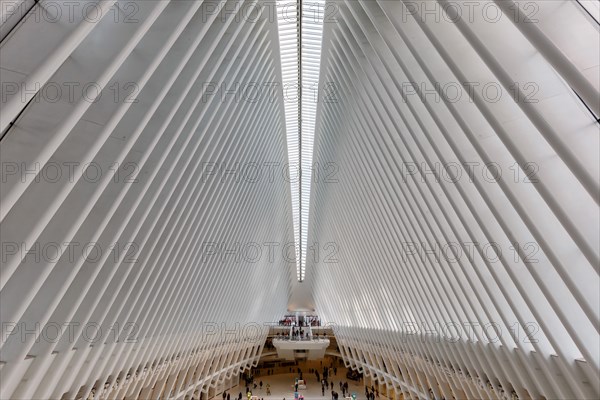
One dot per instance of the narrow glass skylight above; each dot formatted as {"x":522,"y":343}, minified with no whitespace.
{"x":287,"y":18}
{"x":300,"y":69}
{"x":313,"y":12}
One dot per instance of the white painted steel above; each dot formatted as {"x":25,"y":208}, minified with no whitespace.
{"x":446,"y":222}
{"x":414,"y":275}
{"x":171,"y":136}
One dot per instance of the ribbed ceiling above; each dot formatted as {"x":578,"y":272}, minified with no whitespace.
{"x":463,"y":220}
{"x":158,"y":210}
{"x":447,"y":214}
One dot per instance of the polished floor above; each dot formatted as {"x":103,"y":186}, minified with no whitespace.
{"x":282,"y":387}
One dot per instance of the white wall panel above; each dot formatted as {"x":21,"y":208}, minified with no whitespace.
{"x":171,"y":135}
{"x":416,"y":214}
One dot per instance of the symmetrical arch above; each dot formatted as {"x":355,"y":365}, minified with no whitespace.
{"x":147,"y":213}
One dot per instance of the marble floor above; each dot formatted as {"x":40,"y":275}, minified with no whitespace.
{"x":282,"y":387}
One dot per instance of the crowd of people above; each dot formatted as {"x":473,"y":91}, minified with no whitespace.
{"x":251,"y":384}
{"x":295,"y":334}
{"x":325,"y":375}
{"x":299,"y":334}
{"x":327,"y":382}
{"x":371,"y":394}
{"x":288,"y":321}
{"x":292,"y":320}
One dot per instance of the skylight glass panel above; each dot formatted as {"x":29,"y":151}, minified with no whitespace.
{"x":300,"y":70}
{"x":313,"y":12}
{"x":287,"y":19}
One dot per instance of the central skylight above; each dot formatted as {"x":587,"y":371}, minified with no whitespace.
{"x":300,"y":38}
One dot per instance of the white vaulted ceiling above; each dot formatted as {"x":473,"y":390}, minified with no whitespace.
{"x":462,"y":222}
{"x":446,"y":222}
{"x":161,"y":202}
